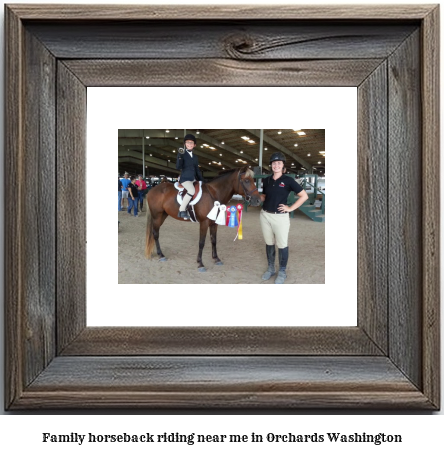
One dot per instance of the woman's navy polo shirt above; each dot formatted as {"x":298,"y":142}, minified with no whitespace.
{"x":277,"y":191}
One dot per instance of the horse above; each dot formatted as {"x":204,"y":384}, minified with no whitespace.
{"x":162,"y":203}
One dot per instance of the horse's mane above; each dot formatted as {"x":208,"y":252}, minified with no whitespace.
{"x":224,"y":172}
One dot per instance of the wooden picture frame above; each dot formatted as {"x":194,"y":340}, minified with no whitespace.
{"x":390,"y":360}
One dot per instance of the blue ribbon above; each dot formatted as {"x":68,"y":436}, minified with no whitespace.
{"x":233,"y":219}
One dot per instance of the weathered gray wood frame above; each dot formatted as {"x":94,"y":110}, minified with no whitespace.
{"x":390,"y":360}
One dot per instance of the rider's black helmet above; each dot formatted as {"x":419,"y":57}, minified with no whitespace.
{"x":277,"y":156}
{"x":189,"y":137}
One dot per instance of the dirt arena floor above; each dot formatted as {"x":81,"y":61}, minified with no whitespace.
{"x":244,"y":260}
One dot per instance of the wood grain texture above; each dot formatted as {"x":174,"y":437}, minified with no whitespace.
{"x":431,"y":204}
{"x":90,"y":374}
{"x":373,"y":207}
{"x":234,"y":382}
{"x":39,"y":207}
{"x":405,"y":213}
{"x":219,"y":12}
{"x":126,"y":341}
{"x":71,"y":206}
{"x":14,"y":208}
{"x":213,"y":72}
{"x":240,"y":40}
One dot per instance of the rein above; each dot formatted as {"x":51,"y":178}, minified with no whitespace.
{"x":247,"y":193}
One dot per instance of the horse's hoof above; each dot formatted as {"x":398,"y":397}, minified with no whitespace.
{"x":163,"y":259}
{"x":219,"y":263}
{"x":202,"y":269}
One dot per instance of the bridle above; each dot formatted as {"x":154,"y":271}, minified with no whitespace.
{"x":247,"y":193}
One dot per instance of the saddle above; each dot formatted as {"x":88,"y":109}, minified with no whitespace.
{"x":181,"y":192}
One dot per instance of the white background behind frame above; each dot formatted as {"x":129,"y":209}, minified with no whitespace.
{"x":331,"y":304}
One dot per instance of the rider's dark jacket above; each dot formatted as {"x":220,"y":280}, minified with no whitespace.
{"x":189,"y":165}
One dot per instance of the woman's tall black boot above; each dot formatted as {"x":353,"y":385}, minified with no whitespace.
{"x":283,"y":260}
{"x":271,"y":257}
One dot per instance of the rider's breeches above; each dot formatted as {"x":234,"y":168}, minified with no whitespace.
{"x":189,"y":186}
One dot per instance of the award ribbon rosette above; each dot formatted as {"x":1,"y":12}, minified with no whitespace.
{"x":232,"y":222}
{"x":220,"y":220}
{"x":239,"y":208}
{"x":231,"y":216}
{"x":213,"y":213}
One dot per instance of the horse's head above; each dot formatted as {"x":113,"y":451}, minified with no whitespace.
{"x":247,"y":187}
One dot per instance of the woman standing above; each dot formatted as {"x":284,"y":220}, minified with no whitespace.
{"x":133,"y":199}
{"x":188,"y":163}
{"x":275,"y":218}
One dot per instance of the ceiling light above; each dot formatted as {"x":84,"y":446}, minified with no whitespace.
{"x":292,"y":164}
{"x":301,"y":133}
{"x":222,"y":142}
{"x":251,"y":141}
{"x":147,"y":137}
{"x":197,"y":132}
{"x":308,"y":155}
{"x":295,"y":145}
{"x":256,"y":159}
{"x":237,"y":161}
{"x":151,"y":155}
{"x":319,"y":163}
{"x":167,"y":131}
{"x":220,"y":155}
{"x":212,"y":148}
{"x":266,"y":148}
{"x":245,"y":137}
{"x":176,"y":137}
{"x":223,"y":168}
{"x":279,"y":132}
{"x":206,"y":145}
{"x":241,"y":151}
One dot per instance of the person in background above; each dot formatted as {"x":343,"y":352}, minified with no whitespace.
{"x":143,"y":190}
{"x":120,"y":193}
{"x":275,"y":218}
{"x":133,"y":197}
{"x":125,"y":182}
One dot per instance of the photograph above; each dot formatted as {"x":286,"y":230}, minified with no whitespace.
{"x":258,"y":197}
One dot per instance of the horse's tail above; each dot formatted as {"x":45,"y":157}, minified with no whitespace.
{"x":149,"y":238}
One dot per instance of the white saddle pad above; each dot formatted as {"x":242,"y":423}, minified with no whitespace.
{"x":180,"y":192}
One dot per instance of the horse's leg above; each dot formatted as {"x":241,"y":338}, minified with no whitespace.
{"x":203,"y":235}
{"x":156,"y":227}
{"x":213,"y":234}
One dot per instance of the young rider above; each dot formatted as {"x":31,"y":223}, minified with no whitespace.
{"x":188,"y":163}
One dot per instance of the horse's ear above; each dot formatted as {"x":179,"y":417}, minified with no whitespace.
{"x":244,"y":169}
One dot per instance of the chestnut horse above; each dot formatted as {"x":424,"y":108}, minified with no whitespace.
{"x":162,"y":203}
